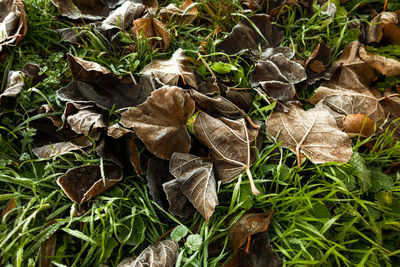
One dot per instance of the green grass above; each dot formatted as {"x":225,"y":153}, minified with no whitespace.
{"x":325,"y":215}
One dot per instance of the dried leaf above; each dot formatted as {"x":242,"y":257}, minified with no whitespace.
{"x":230,"y":143}
{"x":10,"y":206}
{"x":196,"y":180}
{"x":169,"y":71}
{"x":277,"y":76}
{"x":116,"y":131}
{"x":245,"y":37}
{"x":242,"y":99}
{"x":84,"y":9}
{"x":375,"y":30}
{"x":179,"y":204}
{"x":123,"y":17}
{"x":391,"y":105}
{"x":13,"y":86}
{"x":160,"y":122}
{"x":47,"y":249}
{"x":61,"y":148}
{"x":217,"y":106}
{"x":317,"y":64}
{"x":160,"y":254}
{"x":157,"y":175}
{"x":86,"y":120}
{"x":181,"y":15}
{"x":386,"y":66}
{"x":313,"y":133}
{"x":249,"y":224}
{"x":83,"y":183}
{"x":13,"y":26}
{"x":152,"y":27}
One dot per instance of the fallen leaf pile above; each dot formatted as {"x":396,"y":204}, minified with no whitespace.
{"x":197,"y":129}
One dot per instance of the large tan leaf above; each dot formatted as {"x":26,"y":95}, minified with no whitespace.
{"x":83,"y":183}
{"x":230,"y":143}
{"x":160,"y":122}
{"x":13,"y":26}
{"x":152,"y":27}
{"x":169,"y":71}
{"x":196,"y":180}
{"x":161,"y":254}
{"x":313,"y":133}
{"x":386,"y":66}
{"x":86,"y":120}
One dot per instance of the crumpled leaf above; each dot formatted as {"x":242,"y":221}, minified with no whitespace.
{"x":179,"y":204}
{"x":340,"y":102}
{"x":245,"y":37}
{"x":313,"y":133}
{"x":196,"y":180}
{"x":13,"y":86}
{"x":277,"y":76}
{"x":161,"y":254}
{"x":179,"y":15}
{"x":123,"y":16}
{"x":160,"y":122}
{"x":13,"y":26}
{"x":317,"y":64}
{"x":169,"y":71}
{"x":86,"y":120}
{"x":61,"y":148}
{"x":92,"y":10}
{"x":258,"y":253}
{"x":83,"y":183}
{"x":230,"y":142}
{"x":157,"y":175}
{"x":116,"y":131}
{"x":386,"y":66}
{"x":152,"y":27}
{"x":383,"y":28}
{"x":95,"y":84}
{"x":217,"y":106}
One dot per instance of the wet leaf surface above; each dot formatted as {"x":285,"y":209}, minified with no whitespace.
{"x":160,"y":122}
{"x":83,"y":183}
{"x":160,"y":254}
{"x":196,"y":180}
{"x":313,"y":133}
{"x":170,"y":71}
{"x":230,"y":142}
{"x":13,"y":24}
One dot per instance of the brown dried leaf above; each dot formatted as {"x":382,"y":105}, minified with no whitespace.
{"x":157,"y":175}
{"x":313,"y":133}
{"x":13,"y":86}
{"x":179,"y":15}
{"x":10,"y":206}
{"x":242,"y":99}
{"x":277,"y":76}
{"x":386,"y":66}
{"x":249,"y":224}
{"x":83,"y":183}
{"x":152,"y":27}
{"x":169,"y":71}
{"x":160,"y":122}
{"x":116,"y":131}
{"x":61,"y":148}
{"x":196,"y":181}
{"x":179,"y":204}
{"x":244,"y":37}
{"x":161,"y":254}
{"x":123,"y":17}
{"x":85,"y":9}
{"x":375,"y":30}
{"x":317,"y":64}
{"x":13,"y":26}
{"x":47,"y":249}
{"x":86,"y":120}
{"x":230,"y":143}
{"x":391,"y":105}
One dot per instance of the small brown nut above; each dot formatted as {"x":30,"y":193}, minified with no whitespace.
{"x":355,"y":124}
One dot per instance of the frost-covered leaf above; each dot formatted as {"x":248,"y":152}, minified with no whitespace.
{"x":85,"y":120}
{"x":13,"y":25}
{"x":179,"y":204}
{"x":313,"y":133}
{"x":170,"y":71}
{"x":196,"y":180}
{"x":123,"y":16}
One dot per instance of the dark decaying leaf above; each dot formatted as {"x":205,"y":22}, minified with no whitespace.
{"x":169,"y":71}
{"x":179,"y":204}
{"x":123,"y":16}
{"x":152,"y":27}
{"x":317,"y":64}
{"x":93,"y":9}
{"x":160,"y":122}
{"x":230,"y":142}
{"x":217,"y":106}
{"x":47,"y":249}
{"x":208,"y":86}
{"x":13,"y":25}
{"x":116,"y":131}
{"x":277,"y":76}
{"x":313,"y":133}
{"x":258,"y":253}
{"x":386,"y":66}
{"x":383,"y":28}
{"x":86,"y":120}
{"x":96,"y":84}
{"x":245,"y":37}
{"x":161,"y":254}
{"x":242,"y":99}
{"x":341,"y":102}
{"x":157,"y":175}
{"x":83,"y":183}
{"x":10,"y":206}
{"x":196,"y":180}
{"x":179,"y":15}
{"x":249,"y":224}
